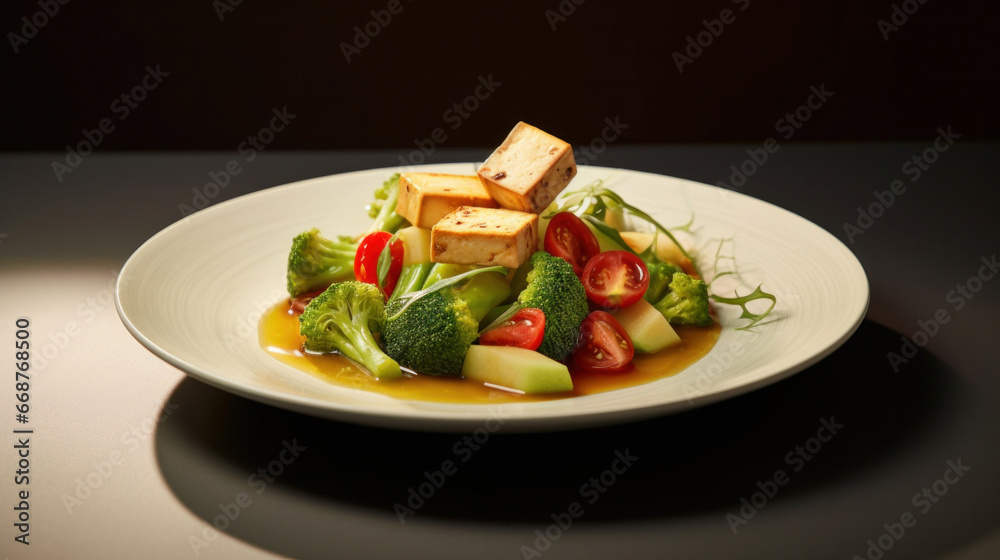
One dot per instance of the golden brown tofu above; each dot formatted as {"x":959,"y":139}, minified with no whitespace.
{"x":528,"y":170}
{"x":485,"y":236}
{"x":425,"y":198}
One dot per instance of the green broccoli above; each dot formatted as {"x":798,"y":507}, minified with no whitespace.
{"x":553,"y":288}
{"x":315,"y":262}
{"x":345,"y":318}
{"x":687,"y":302}
{"x":383,"y":209}
{"x":433,"y":334}
{"x":661,"y":273}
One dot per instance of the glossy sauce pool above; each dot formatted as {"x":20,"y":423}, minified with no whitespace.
{"x":279,"y":336}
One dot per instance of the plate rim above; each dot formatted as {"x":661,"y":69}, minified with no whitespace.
{"x":471,"y":415}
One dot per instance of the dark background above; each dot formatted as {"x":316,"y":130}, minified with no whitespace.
{"x":606,"y":59}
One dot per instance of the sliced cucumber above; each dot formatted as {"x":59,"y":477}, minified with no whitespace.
{"x":516,"y":368}
{"x":648,"y":329}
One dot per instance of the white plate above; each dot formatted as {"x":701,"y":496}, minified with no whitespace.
{"x":193,"y":293}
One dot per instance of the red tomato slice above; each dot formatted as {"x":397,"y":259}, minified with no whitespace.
{"x":366,"y":260}
{"x":615,"y":279}
{"x":524,"y":329}
{"x":604,"y":345}
{"x":569,"y":238}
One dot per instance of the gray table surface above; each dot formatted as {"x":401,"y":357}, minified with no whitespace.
{"x":130,"y":459}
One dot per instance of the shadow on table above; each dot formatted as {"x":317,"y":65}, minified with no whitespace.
{"x":698,"y":461}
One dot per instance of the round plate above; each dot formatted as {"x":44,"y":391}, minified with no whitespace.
{"x":194,"y":292}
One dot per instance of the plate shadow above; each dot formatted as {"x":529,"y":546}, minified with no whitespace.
{"x":698,"y":461}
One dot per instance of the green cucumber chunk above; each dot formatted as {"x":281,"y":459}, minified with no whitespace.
{"x":647,"y":327}
{"x":516,"y":368}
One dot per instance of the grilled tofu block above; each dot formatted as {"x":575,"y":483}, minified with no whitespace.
{"x":425,"y":198}
{"x":528,"y":170}
{"x":485,"y":236}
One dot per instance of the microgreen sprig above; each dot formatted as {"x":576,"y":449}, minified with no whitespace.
{"x":742,"y":301}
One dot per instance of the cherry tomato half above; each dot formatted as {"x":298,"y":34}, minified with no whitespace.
{"x":615,"y":279}
{"x":524,"y":329}
{"x":604,"y":345}
{"x":569,"y":238}
{"x":366,"y":260}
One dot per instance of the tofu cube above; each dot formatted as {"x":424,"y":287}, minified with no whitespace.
{"x":425,"y":198}
{"x":485,"y":236}
{"x":528,"y":170}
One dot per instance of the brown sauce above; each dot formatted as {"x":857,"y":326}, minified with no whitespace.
{"x":279,"y":336}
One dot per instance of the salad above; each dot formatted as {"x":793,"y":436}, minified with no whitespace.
{"x":505,"y":277}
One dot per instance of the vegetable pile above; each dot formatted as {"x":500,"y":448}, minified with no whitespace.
{"x":592,"y":294}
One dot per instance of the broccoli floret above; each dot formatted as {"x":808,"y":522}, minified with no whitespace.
{"x":344,"y":319}
{"x":434,"y":333}
{"x":661,"y":273}
{"x":315,"y":262}
{"x":687,"y":302}
{"x":383,"y":209}
{"x":553,"y":288}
